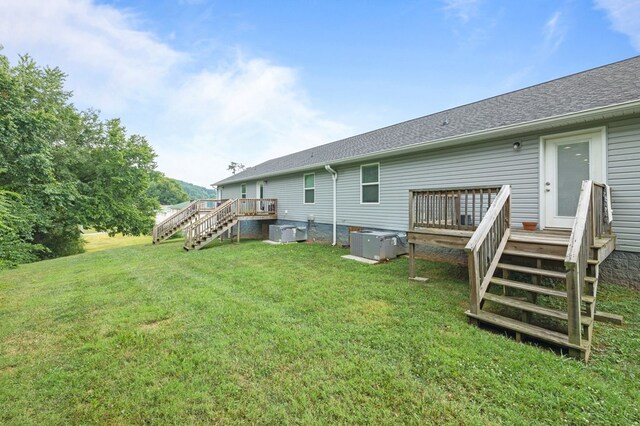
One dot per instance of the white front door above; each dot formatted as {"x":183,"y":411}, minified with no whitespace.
{"x":260,"y":194}
{"x":568,"y":160}
{"x":260,"y":189}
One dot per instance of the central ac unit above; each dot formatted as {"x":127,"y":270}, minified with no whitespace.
{"x":287,"y":233}
{"x":378,"y":245}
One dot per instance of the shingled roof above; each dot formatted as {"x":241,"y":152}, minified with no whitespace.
{"x":613,"y":84}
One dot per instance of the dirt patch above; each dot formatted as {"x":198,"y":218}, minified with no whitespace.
{"x":371,"y":311}
{"x":154,"y":324}
{"x":24,"y":343}
{"x":7,"y":369}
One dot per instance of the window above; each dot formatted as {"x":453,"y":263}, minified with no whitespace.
{"x":370,"y":182}
{"x":243,"y":190}
{"x":310,"y":188}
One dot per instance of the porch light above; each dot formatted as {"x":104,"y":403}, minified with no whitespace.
{"x":517,"y":145}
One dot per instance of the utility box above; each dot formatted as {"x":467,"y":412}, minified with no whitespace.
{"x":287,"y":233}
{"x":378,"y":245}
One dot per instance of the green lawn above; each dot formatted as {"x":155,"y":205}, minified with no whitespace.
{"x":255,"y":333}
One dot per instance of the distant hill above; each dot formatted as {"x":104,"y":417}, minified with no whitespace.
{"x":196,"y":192}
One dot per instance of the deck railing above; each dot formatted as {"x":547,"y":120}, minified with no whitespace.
{"x":593,"y":219}
{"x":186,"y":213}
{"x":486,"y":245}
{"x":257,"y":206}
{"x":603,"y":214}
{"x":453,"y":208}
{"x":227,"y":212}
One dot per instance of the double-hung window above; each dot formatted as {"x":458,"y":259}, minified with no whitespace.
{"x":370,"y":183}
{"x":309,"y":188}
{"x":243,"y":190}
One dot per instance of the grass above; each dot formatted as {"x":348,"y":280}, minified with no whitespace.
{"x":102,"y":241}
{"x":254,"y":333}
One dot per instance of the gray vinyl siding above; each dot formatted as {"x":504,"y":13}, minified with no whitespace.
{"x":233,"y":190}
{"x":481,"y":164}
{"x":289,"y":190}
{"x":623,"y":174}
{"x":488,"y":163}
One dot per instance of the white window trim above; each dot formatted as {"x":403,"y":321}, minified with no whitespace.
{"x":243,"y":190}
{"x":305,"y":189}
{"x":369,"y":183}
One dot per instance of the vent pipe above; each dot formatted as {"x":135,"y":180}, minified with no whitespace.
{"x":334,"y":175}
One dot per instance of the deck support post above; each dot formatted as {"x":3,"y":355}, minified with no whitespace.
{"x":412,"y":260}
{"x":238,"y":232}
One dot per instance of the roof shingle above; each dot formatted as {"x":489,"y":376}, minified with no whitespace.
{"x":599,"y":87}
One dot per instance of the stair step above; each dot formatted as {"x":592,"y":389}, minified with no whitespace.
{"x":544,"y":256}
{"x":529,"y":287}
{"x":550,"y":240}
{"x":536,"y":289}
{"x":533,"y":271}
{"x":532,"y":307}
{"x":528,"y":329}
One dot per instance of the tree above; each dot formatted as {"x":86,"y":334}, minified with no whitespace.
{"x":68,"y":168}
{"x":15,"y":246}
{"x":235,"y":167}
{"x":166,"y":190}
{"x":196,"y":192}
{"x":116,"y":185}
{"x":34,"y":117}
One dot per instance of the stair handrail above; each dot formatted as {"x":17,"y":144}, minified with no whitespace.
{"x":181,"y":215}
{"x":486,"y":245}
{"x":577,"y":258}
{"x":201,"y":226}
{"x":175,"y":218}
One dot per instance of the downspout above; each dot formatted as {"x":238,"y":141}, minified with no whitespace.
{"x":334,"y":175}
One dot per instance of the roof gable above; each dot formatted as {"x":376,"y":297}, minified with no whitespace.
{"x":608,"y":85}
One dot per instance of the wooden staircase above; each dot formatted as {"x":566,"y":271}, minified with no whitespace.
{"x":182,"y":219}
{"x":541,"y":284}
{"x":212,"y":226}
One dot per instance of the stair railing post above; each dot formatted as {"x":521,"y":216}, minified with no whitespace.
{"x":574,"y":277}
{"x":474,"y":282}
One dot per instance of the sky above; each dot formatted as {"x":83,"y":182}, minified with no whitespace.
{"x":211,"y":82}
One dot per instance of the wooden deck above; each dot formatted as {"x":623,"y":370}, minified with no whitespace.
{"x":458,"y":239}
{"x":508,"y":265}
{"x":202,"y":213}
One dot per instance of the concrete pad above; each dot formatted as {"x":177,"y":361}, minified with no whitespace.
{"x":278,"y":242}
{"x":360,"y":259}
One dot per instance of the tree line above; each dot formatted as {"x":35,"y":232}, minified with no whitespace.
{"x":62,"y":169}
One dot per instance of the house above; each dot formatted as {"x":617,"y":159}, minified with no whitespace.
{"x":542,"y":140}
{"x":167,"y":211}
{"x":563,"y":154}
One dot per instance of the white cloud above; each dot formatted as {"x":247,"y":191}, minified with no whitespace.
{"x":624,"y":16}
{"x":248,"y":112}
{"x":464,"y":10}
{"x":554,"y":32}
{"x":198,"y":121}
{"x":109,"y":62}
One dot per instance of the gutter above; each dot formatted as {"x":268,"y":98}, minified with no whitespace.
{"x":334,"y":175}
{"x":601,"y":113}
